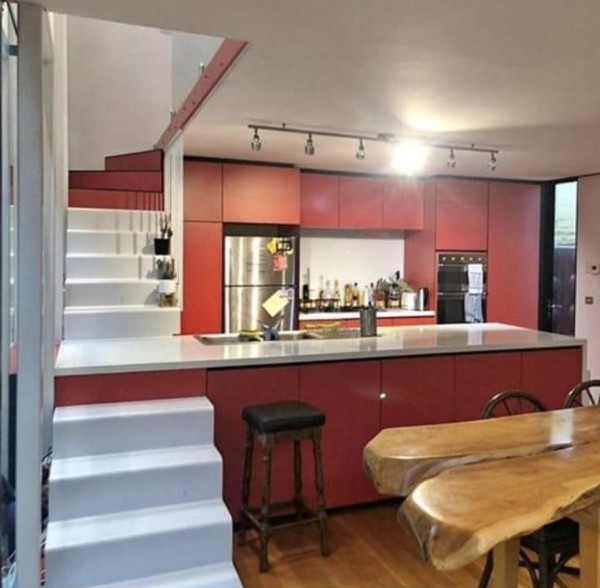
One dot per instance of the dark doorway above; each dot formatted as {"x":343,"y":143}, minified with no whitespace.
{"x":558,"y":257}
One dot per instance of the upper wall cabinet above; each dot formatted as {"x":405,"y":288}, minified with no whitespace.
{"x":403,"y":204}
{"x":319,"y":200}
{"x":202,"y":191}
{"x":261,"y":194}
{"x":361,"y":203}
{"x":462,"y":215}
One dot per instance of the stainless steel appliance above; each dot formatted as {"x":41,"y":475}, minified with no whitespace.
{"x":260,"y":282}
{"x":453,"y":285}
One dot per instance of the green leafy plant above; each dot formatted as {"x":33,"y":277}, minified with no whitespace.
{"x":165,"y":226}
{"x":165,"y":268}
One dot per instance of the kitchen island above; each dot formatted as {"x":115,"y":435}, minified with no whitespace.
{"x":405,"y":376}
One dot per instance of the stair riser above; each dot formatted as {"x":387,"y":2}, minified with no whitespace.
{"x":126,"y":243}
{"x":103,"y":325}
{"x":110,"y":561}
{"x":138,"y":267}
{"x":134,"y":490}
{"x":111,"y":294}
{"x":131,"y":433}
{"x":143,"y":181}
{"x":142,"y":221}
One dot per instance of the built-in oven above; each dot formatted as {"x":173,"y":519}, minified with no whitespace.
{"x":461,"y":298}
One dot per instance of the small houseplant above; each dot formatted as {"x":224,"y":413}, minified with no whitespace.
{"x":167,"y":286}
{"x":162,"y":244}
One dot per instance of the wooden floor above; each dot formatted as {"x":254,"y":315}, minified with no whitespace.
{"x":368,"y":550}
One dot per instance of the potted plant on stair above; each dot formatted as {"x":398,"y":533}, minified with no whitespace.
{"x":162,"y":244}
{"x":167,"y":285}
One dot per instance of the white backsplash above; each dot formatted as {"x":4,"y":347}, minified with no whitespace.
{"x":356,"y":259}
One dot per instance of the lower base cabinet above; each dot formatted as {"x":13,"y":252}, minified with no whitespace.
{"x":361,"y":397}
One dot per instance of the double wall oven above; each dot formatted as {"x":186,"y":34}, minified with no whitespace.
{"x":453,"y":285}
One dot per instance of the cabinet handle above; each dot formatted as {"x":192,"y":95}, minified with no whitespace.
{"x":383,"y":395}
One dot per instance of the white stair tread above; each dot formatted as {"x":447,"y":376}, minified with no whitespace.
{"x":121,"y":308}
{"x":114,"y":231}
{"x":110,"y":255}
{"x":222,"y":575}
{"x":116,"y":463}
{"x":135,"y":523}
{"x":130,"y":409}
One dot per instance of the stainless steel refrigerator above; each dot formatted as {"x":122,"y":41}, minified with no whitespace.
{"x":260,"y":282}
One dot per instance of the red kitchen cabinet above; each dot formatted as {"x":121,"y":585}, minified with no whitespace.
{"x":319,"y":200}
{"x":203,"y":278}
{"x":348,"y":393}
{"x":261,"y":194}
{"x":416,"y":320}
{"x":385,"y":322}
{"x":202,"y":191}
{"x":418,"y":391}
{"x":462,"y":215}
{"x":513,"y":254}
{"x":550,"y":374}
{"x":403,"y":206}
{"x":479,"y":376}
{"x":230,"y":391}
{"x":361,"y":202}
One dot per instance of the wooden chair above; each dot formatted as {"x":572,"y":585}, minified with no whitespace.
{"x":582,"y":395}
{"x":555,"y":544}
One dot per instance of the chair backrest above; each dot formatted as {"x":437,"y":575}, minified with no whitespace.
{"x":582,"y":395}
{"x":512,"y":402}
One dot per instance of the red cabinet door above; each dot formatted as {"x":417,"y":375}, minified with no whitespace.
{"x":232,"y":390}
{"x":348,"y":393}
{"x":479,"y":376}
{"x":203,"y":278}
{"x":550,"y":374}
{"x":202,"y":191}
{"x":403,"y":206}
{"x":261,"y":194}
{"x":418,"y":391}
{"x":385,"y":322}
{"x":319,"y":200}
{"x":462,"y":215}
{"x":361,"y":203}
{"x":513,"y":254}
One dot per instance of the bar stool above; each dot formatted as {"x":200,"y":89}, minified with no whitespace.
{"x":271,"y":424}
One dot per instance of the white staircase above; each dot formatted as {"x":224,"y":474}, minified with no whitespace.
{"x":111,"y":286}
{"x":135,"y":498}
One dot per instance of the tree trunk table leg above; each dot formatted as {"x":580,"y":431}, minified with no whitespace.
{"x":589,"y":546}
{"x":506,"y":564}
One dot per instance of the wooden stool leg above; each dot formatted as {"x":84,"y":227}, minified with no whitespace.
{"x":298,"y":500}
{"x":246,"y":481}
{"x":506,"y":564}
{"x":264,"y":529}
{"x":322,"y":515}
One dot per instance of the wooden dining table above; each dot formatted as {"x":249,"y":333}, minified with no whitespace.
{"x":475,"y":486}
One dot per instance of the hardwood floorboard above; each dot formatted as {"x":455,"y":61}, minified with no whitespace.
{"x":368,"y":550}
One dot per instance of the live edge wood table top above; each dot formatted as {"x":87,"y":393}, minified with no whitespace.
{"x":475,"y":486}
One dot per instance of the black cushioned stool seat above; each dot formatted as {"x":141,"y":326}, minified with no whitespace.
{"x":270,"y":424}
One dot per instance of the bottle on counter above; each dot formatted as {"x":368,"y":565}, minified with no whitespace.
{"x":348,"y":295}
{"x":336,"y":294}
{"x":366,"y":296}
{"x":355,"y":295}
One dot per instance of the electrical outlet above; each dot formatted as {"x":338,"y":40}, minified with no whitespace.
{"x":592,"y":268}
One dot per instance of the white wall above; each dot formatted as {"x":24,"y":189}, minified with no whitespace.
{"x":119,"y":89}
{"x":587,"y":317}
{"x":350,"y":258}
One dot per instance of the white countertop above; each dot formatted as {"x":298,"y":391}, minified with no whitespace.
{"x":381,"y":313}
{"x":78,"y":357}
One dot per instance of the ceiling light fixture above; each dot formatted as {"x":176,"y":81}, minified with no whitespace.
{"x":309,"y":147}
{"x":256,"y":143}
{"x":361,"y":152}
{"x":451,"y":159}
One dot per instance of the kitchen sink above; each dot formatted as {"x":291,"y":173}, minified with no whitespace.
{"x":234,"y":338}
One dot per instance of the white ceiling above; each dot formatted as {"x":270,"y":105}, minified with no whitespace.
{"x":522,"y":76}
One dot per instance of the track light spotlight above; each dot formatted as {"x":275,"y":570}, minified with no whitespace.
{"x":256,"y":143}
{"x":309,"y":148}
{"x":451,"y":159}
{"x":361,"y":152}
{"x":493,"y":162}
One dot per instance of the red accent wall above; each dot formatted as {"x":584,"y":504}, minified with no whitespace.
{"x":202,"y":191}
{"x":103,"y":388}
